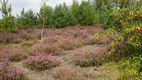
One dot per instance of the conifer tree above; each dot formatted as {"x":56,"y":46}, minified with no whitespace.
{"x":86,"y":14}
{"x":75,"y":9}
{"x":5,"y":9}
{"x":7,"y":22}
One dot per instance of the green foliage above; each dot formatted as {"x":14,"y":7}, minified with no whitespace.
{"x":26,"y":19}
{"x":101,"y":4}
{"x":86,"y":14}
{"x":130,"y":68}
{"x":62,"y":17}
{"x":130,"y":28}
{"x":47,"y":12}
{"x":59,"y":17}
{"x":109,"y":13}
{"x":5,"y":9}
{"x":7,"y":23}
{"x":75,"y":9}
{"x":103,"y":8}
{"x":124,"y":17}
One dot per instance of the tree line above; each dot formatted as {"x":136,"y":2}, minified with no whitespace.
{"x":86,"y":13}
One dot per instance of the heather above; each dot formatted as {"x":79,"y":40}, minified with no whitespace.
{"x":7,"y":72}
{"x":41,"y":62}
{"x":90,"y":56}
{"x":88,"y":40}
{"x":66,"y":72}
{"x":12,"y":54}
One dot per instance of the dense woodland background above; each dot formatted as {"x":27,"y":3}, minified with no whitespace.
{"x":105,"y":12}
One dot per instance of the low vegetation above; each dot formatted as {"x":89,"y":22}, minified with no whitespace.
{"x":12,"y":54}
{"x":10,"y":73}
{"x":78,"y":42}
{"x":42,"y":62}
{"x":66,"y":72}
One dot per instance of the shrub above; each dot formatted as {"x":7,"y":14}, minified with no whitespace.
{"x":48,"y":46}
{"x":42,"y":62}
{"x":120,"y":18}
{"x":10,"y":73}
{"x":129,"y":68}
{"x":129,"y":43}
{"x":83,"y":58}
{"x":12,"y":54}
{"x":47,"y":49}
{"x":104,"y":38}
{"x":55,"y":45}
{"x":68,"y":43}
{"x":53,"y":49}
{"x":9,"y":38}
{"x":66,"y":73}
{"x":91,"y":56}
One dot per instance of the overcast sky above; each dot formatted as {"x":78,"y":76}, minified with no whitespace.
{"x":18,"y":5}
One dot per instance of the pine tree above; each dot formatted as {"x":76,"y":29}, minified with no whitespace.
{"x":7,"y":22}
{"x":75,"y":9}
{"x":5,"y":9}
{"x":86,"y":14}
{"x":63,"y":17}
{"x":28,"y":18}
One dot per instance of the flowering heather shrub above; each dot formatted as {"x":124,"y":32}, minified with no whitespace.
{"x":66,"y":73}
{"x":69,"y":43}
{"x":9,"y":38}
{"x":56,"y":45}
{"x":100,"y":55}
{"x":38,"y":48}
{"x":48,"y":46}
{"x":11,"y":54}
{"x":10,"y":73}
{"x":91,"y":56}
{"x":53,"y":49}
{"x":83,"y":58}
{"x":29,"y":34}
{"x":42,"y":62}
{"x":82,"y":32}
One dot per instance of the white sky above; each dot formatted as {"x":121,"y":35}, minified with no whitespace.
{"x":18,"y":5}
